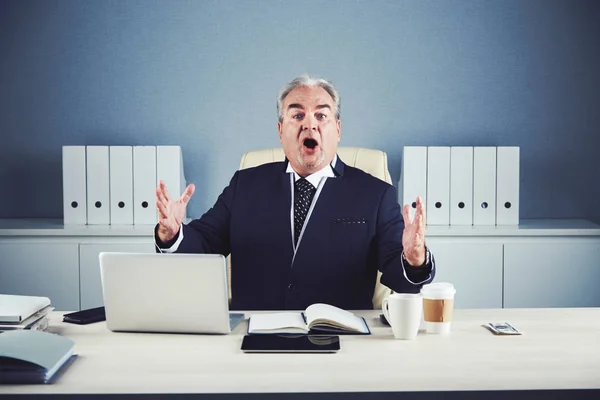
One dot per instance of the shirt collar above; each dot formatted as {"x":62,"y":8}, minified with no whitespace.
{"x":315,"y":178}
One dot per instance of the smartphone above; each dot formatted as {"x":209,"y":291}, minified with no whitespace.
{"x":267,"y":343}
{"x":384,"y":320}
{"x":85,"y":317}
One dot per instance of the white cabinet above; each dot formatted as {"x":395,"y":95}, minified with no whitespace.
{"x":540,"y":263}
{"x":47,"y":267}
{"x":42,"y":257}
{"x":90,"y":281}
{"x":473,"y":266}
{"x":553,"y":272}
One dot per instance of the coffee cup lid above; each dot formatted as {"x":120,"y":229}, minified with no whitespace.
{"x":438,"y":290}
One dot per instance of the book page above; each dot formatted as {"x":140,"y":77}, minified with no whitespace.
{"x":291,"y":322}
{"x":328,"y":315}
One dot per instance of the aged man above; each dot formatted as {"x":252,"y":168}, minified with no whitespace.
{"x":309,"y":229}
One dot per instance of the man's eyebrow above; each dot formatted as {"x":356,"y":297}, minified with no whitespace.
{"x":295,"y":105}
{"x":299,"y":106}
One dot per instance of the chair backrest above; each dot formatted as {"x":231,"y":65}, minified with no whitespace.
{"x":371,"y":161}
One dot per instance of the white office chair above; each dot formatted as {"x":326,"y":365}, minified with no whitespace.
{"x":371,"y":161}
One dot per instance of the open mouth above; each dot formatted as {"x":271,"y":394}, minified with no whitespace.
{"x":310,"y":143}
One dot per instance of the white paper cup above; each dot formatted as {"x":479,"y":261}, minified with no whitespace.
{"x":403,"y":311}
{"x":438,"y":305}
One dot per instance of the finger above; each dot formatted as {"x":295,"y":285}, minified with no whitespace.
{"x":421,"y":206}
{"x":420,"y":209}
{"x":419,"y":231}
{"x":164,"y":193}
{"x":162,"y":210}
{"x":406,"y":214}
{"x":160,"y":197}
{"x":164,"y":190}
{"x":187,"y":193}
{"x":419,"y":216}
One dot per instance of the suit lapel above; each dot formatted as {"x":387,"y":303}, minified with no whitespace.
{"x":326,"y":201}
{"x":329,"y":197}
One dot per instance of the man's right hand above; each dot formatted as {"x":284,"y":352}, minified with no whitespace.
{"x":171,"y":212}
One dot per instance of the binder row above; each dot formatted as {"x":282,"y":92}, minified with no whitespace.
{"x":462,"y":185}
{"x":115,"y":185}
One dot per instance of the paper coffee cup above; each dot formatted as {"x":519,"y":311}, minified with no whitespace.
{"x":438,"y":304}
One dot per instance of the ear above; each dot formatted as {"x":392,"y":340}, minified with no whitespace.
{"x":339,"y":129}
{"x":279,"y":131}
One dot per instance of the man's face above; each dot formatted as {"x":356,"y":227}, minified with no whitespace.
{"x":309,"y":131}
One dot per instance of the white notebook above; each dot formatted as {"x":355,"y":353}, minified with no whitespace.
{"x":318,"y":318}
{"x":15,"y":308}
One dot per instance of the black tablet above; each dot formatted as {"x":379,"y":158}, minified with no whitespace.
{"x":269,"y":343}
{"x":85,"y":317}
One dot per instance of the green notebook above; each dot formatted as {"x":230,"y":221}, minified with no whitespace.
{"x":33,"y":356}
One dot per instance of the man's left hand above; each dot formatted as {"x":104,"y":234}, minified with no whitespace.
{"x":413,"y":237}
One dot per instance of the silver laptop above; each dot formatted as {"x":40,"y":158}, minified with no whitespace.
{"x":175,"y":293}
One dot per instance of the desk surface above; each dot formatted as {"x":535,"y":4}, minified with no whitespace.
{"x":560,"y":349}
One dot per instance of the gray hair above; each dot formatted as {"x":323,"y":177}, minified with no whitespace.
{"x":309,"y":81}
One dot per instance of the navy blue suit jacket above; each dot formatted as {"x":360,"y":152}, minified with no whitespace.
{"x":356,"y":227}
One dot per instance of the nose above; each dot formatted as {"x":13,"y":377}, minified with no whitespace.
{"x":310,"y":123}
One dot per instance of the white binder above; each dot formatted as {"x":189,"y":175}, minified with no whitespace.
{"x":121,"y":185}
{"x":461,"y":186}
{"x":413,"y":177}
{"x":74,"y":185}
{"x":144,"y":185}
{"x":169,"y":169}
{"x":484,"y":186}
{"x":98,"y":191}
{"x":507,"y":186}
{"x":438,"y":185}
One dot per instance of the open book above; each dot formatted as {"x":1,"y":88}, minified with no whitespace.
{"x":316,"y":319}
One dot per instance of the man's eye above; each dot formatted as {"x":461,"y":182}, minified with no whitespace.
{"x":297,"y":116}
{"x":321,"y":116}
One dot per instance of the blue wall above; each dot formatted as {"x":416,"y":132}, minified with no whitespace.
{"x":205,"y":75}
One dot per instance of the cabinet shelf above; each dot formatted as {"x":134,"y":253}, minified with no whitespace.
{"x":527,"y":227}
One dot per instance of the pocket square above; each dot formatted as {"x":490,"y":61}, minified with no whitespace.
{"x":349,"y":221}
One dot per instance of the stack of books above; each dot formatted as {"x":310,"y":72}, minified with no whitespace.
{"x":24,"y":312}
{"x":27,"y":354}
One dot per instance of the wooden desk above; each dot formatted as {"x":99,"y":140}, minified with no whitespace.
{"x":560,"y":349}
